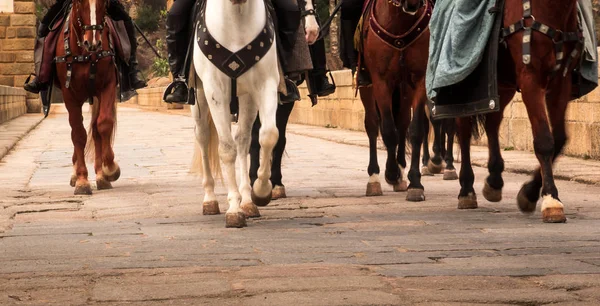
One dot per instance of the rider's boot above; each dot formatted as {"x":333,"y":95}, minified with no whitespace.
{"x":317,"y":77}
{"x":177,"y":44}
{"x":35,"y":86}
{"x":135,"y":75}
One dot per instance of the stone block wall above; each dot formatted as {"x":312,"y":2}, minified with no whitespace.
{"x":12,"y":103}
{"x":17,"y":38}
{"x":343,"y":110}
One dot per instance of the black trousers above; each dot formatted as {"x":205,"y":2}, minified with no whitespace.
{"x":350,"y":15}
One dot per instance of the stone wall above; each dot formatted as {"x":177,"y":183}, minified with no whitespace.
{"x":343,"y":111}
{"x":17,"y":38}
{"x":12,"y":103}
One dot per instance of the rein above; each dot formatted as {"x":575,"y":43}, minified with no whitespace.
{"x":93,"y":57}
{"x":558,"y":37}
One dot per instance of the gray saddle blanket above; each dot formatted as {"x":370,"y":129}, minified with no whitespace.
{"x":459,"y":43}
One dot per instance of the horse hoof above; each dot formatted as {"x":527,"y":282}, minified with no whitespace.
{"x":258,"y":201}
{"x":250,"y":210}
{"x":450,"y":175}
{"x":236,"y":220}
{"x":400,"y":187}
{"x":113,"y":175}
{"x":85,"y":189}
{"x":553,"y":210}
{"x":467,"y":202}
{"x":374,"y":189}
{"x":103,"y":184}
{"x":433,"y":168}
{"x":73,"y":180}
{"x":491,"y":194}
{"x":210,"y":208}
{"x":524,"y":204}
{"x":415,"y":195}
{"x":278,"y":193}
{"x":425,"y":171}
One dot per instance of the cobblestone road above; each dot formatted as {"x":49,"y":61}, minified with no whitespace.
{"x":146,"y":242}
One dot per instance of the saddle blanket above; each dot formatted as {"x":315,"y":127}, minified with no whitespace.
{"x":460,"y":30}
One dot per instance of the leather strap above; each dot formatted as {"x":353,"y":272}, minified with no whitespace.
{"x":402,"y":41}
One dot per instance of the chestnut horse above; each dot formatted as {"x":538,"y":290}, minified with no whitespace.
{"x":396,"y":40}
{"x":544,"y":78}
{"x":86,"y":70}
{"x":444,"y":131}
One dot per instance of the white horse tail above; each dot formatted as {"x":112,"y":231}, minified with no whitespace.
{"x":214,"y":161}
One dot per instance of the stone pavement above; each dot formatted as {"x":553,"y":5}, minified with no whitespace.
{"x":567,"y":168}
{"x":145,"y":242}
{"x":14,"y":130}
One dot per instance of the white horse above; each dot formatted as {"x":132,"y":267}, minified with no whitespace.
{"x":234,"y":24}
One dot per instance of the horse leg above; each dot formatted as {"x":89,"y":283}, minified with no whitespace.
{"x":101,"y":182}
{"x":424,"y":170}
{"x":201,"y":115}
{"x":547,"y":147}
{"x":79,"y":138}
{"x":106,"y":123}
{"x":247,"y":117}
{"x":221,"y":115}
{"x":435,"y":163}
{"x":450,"y":130}
{"x":283,"y":115}
{"x":466,"y":198}
{"x":372,"y":129}
{"x":266,"y":100}
{"x":383,"y":98}
{"x":416,"y":191}
{"x":74,"y":174}
{"x":402,"y":119}
{"x":492,"y":188}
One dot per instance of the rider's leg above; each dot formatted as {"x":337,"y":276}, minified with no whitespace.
{"x":36,"y":85}
{"x":116,"y":11}
{"x":318,"y":76}
{"x":287,"y":23}
{"x":351,"y":12}
{"x":177,"y":44}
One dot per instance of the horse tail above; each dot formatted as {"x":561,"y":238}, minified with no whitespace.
{"x":214,"y":161}
{"x":90,"y":146}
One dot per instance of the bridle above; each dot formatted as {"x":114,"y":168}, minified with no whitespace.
{"x":85,"y":28}
{"x":404,"y":5}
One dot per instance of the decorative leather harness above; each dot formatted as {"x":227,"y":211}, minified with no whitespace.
{"x":92,"y":57}
{"x":404,"y":40}
{"x":235,"y":64}
{"x":558,"y":38}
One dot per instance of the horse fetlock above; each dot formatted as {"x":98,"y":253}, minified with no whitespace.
{"x":552,"y":210}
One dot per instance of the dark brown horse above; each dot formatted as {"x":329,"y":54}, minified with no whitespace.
{"x":86,"y":70}
{"x":544,"y":78}
{"x":395,"y":38}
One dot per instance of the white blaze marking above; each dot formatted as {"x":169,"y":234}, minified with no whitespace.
{"x":93,"y":19}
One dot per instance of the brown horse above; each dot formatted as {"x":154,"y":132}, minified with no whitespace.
{"x":544,"y":78}
{"x":396,"y":39}
{"x":86,"y":69}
